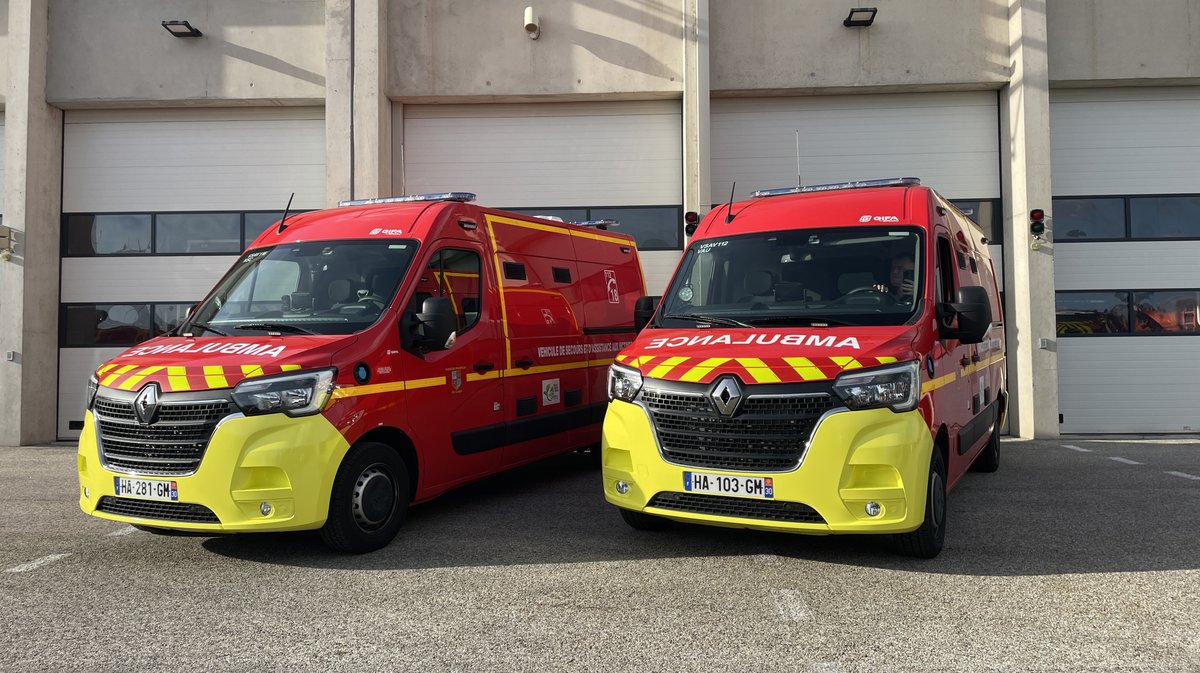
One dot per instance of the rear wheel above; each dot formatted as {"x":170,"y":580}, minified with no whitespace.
{"x":989,"y":459}
{"x":641,"y":521}
{"x":926,"y":541}
{"x":368,"y":501}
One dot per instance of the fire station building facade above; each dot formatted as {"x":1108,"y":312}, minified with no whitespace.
{"x":142,"y":153}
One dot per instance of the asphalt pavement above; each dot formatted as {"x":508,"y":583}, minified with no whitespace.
{"x":1080,"y":554}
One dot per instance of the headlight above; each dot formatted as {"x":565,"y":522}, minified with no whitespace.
{"x":896,"y":387}
{"x":299,"y":394}
{"x":93,"y":386}
{"x":623,"y":382}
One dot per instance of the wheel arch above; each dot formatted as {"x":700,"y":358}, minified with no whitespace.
{"x":403,"y":446}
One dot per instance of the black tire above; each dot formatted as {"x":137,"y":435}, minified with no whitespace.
{"x":368,"y":501}
{"x":988,"y":460}
{"x":926,"y":541}
{"x":640,"y":521}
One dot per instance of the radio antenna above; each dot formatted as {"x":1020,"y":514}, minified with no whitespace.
{"x":799,"y":183}
{"x":283,"y":220}
{"x":729,"y":208}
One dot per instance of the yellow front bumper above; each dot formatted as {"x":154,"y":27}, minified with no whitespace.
{"x":855,"y":457}
{"x":287,"y":462}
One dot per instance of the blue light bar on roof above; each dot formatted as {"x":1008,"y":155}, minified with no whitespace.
{"x":857,"y":184}
{"x":462,"y":197}
{"x":599,"y":224}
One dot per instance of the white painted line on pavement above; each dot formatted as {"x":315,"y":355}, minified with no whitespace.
{"x":791,"y":605}
{"x":1124,"y":460}
{"x":38,"y":563}
{"x":124,"y":531}
{"x":1185,"y":475}
{"x":1076,"y":448}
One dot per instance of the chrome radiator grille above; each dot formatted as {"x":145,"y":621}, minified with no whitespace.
{"x":172,"y":445}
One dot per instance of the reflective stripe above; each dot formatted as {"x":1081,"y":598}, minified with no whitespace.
{"x":885,"y":360}
{"x":108,"y":380}
{"x":934,"y":384}
{"x":846,"y":362}
{"x":806,"y":369}
{"x":214,"y":376}
{"x":667,"y":365}
{"x":701,"y":370}
{"x":289,"y":368}
{"x":758,"y":370}
{"x":177,"y":378}
{"x":131,"y":382}
{"x":391,"y":387}
{"x":250,"y":371}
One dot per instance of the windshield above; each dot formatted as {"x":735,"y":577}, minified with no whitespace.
{"x":837,"y":276}
{"x":320,"y":287}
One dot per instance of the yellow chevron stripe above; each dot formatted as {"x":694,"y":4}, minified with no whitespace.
{"x":108,"y":380}
{"x":131,"y":382}
{"x":701,"y":370}
{"x":885,"y":360}
{"x":177,"y":378}
{"x":105,"y":368}
{"x":758,"y":370}
{"x":846,"y":362}
{"x":666,"y":367}
{"x":289,"y":368}
{"x":214,"y":376}
{"x":806,"y":369}
{"x":250,"y":371}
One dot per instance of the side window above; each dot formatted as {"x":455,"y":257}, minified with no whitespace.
{"x":945,"y":289}
{"x":454,"y":274}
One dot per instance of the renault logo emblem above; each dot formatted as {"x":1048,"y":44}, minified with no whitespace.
{"x":145,"y":405}
{"x":726,"y":395}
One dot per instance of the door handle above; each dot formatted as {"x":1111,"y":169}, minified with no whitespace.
{"x":524,"y":363}
{"x":482,"y":367}
{"x":975,"y":357}
{"x":965,"y":361}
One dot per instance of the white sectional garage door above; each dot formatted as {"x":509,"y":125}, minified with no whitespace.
{"x":1141,"y":147}
{"x":949,"y":140}
{"x":548,"y":155}
{"x":130,"y":164}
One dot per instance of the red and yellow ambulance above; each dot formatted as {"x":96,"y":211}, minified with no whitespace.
{"x":359,"y":359}
{"x":824,"y":360}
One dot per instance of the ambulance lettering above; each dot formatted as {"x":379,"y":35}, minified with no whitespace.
{"x":813,"y":340}
{"x":218,"y":347}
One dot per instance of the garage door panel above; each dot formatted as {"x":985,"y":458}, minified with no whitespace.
{"x":1128,"y":384}
{"x":545,"y":155}
{"x":948,"y":140}
{"x":75,"y":366}
{"x":1123,"y":266}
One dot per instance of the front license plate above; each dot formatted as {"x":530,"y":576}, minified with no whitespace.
{"x":150,"y":489}
{"x":723,"y":484}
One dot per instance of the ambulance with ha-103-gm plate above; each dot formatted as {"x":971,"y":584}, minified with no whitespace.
{"x":826,"y":359}
{"x":359,"y":359}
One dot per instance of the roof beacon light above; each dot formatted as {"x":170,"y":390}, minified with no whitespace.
{"x":599,"y":224}
{"x":856,"y":184}
{"x":462,"y":197}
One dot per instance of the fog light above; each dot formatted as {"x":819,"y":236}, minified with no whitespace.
{"x":622,"y":487}
{"x":873,"y":509}
{"x":87,"y":492}
{"x":265,"y":508}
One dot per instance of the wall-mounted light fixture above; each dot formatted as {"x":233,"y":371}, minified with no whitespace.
{"x":181,"y":29}
{"x":6,"y":249}
{"x":860,"y":17}
{"x":533,"y":27}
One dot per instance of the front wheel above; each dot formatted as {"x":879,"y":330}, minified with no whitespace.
{"x":926,"y":541}
{"x":368,"y":501}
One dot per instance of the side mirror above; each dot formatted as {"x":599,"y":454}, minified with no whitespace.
{"x":643,"y":311}
{"x":434,"y":326}
{"x":974,"y":312}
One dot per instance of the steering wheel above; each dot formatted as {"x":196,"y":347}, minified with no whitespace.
{"x":877,"y":294}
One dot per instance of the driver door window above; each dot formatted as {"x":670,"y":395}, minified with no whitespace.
{"x":455,"y":275}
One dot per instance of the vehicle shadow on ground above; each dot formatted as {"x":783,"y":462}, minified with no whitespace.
{"x":1026,"y":519}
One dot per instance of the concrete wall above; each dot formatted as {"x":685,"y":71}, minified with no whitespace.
{"x":797,"y":45}
{"x":3,"y":50}
{"x":115,"y":52}
{"x":1118,"y":41}
{"x":468,"y":48}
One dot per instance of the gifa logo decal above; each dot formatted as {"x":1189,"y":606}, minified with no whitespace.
{"x":878,"y":218}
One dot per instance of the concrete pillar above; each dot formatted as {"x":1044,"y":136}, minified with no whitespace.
{"x":358,"y":122}
{"x":1028,"y":273}
{"x":32,"y":200}
{"x":697,"y":161}
{"x":338,"y":109}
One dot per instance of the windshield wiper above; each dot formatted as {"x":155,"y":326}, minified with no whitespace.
{"x":277,"y":327}
{"x":714,"y":319}
{"x":799,"y":320}
{"x":204,"y":327}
